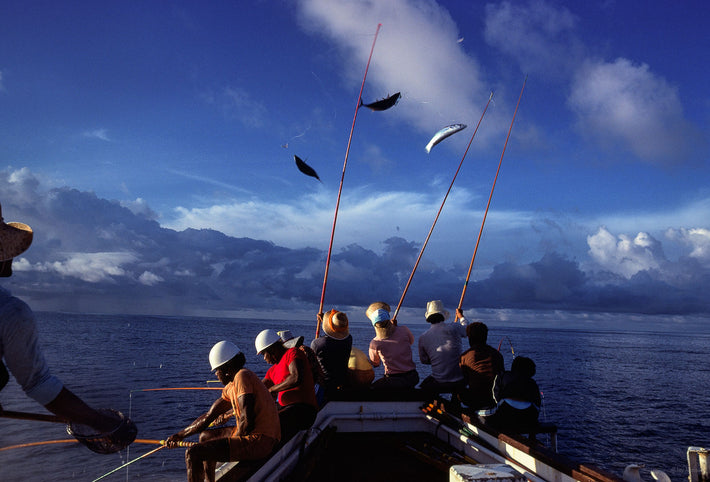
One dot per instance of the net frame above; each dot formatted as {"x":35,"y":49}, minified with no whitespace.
{"x":105,"y":443}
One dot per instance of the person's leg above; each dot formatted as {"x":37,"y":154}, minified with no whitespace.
{"x":201,"y":459}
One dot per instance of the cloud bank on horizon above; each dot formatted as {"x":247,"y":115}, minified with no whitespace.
{"x":164,"y":196}
{"x":91,"y":254}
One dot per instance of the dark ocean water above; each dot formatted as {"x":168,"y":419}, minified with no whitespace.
{"x":617,"y":396}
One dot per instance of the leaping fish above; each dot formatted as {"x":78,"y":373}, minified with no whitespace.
{"x":443,"y":134}
{"x":305,"y":168}
{"x":383,"y":104}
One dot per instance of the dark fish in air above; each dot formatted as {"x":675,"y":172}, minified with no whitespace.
{"x":383,"y":104}
{"x":443,"y":134}
{"x":305,"y":168}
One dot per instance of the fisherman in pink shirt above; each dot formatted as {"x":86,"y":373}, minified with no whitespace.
{"x":392,"y":347}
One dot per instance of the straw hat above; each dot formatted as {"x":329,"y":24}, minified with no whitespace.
{"x":15,"y":238}
{"x":335,"y":324}
{"x":289,"y":340}
{"x":435,"y":307}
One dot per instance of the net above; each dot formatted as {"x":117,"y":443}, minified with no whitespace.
{"x":106,"y":443}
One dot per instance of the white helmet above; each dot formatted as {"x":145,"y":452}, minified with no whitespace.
{"x":222,"y":352}
{"x":265,"y":339}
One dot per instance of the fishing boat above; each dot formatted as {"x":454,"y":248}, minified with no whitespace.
{"x":409,"y":437}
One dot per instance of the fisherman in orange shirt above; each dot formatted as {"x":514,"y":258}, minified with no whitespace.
{"x":257,"y":431}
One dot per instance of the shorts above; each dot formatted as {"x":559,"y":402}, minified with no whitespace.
{"x":251,"y":447}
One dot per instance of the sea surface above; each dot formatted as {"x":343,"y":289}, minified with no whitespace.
{"x":617,"y":395}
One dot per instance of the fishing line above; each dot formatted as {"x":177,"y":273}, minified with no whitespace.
{"x":490,"y":196}
{"x":436,"y":218}
{"x":146,"y":441}
{"x":342,"y":177}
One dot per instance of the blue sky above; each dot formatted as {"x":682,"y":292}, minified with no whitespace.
{"x":139,"y":120}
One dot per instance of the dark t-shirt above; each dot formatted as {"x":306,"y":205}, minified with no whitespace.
{"x":480,"y":365}
{"x":333,"y":355}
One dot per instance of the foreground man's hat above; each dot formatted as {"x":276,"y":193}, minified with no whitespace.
{"x":15,"y":238}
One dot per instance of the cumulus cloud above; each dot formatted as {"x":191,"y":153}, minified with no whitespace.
{"x":149,"y":279}
{"x":698,"y":239}
{"x":620,"y":104}
{"x":624,"y":255}
{"x":623,"y":103}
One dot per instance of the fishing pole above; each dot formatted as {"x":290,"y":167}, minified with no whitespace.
{"x":36,"y":444}
{"x":31,"y":416}
{"x":175,"y":388}
{"x":342,"y":177}
{"x":73,"y":440}
{"x":490,"y":196}
{"x":436,"y":218}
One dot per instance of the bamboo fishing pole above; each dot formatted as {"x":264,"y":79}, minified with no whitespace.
{"x":342,"y":177}
{"x":490,"y":196}
{"x":436,"y":218}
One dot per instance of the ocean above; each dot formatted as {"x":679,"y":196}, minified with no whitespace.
{"x":618,"y":395}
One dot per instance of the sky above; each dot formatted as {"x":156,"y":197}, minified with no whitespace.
{"x":151,"y":147}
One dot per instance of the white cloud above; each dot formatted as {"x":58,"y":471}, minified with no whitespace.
{"x":698,"y":239}
{"x":250,"y":112}
{"x":101,"y":134}
{"x":150,"y":279}
{"x":622,"y":103}
{"x":625,"y":255}
{"x":89,"y":267}
{"x":417,"y":52}
{"x":539,"y":36}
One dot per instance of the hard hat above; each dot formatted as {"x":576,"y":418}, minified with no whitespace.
{"x":265,"y":339}
{"x":222,"y":352}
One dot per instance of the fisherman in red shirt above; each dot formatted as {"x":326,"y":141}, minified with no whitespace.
{"x":290,"y":380}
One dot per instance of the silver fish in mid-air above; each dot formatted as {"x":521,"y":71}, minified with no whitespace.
{"x":443,"y":134}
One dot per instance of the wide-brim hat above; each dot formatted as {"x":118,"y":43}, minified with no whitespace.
{"x":15,"y":238}
{"x":290,"y":341}
{"x":435,"y":307}
{"x":335,"y":324}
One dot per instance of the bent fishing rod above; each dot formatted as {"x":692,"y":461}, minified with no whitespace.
{"x":436,"y":218}
{"x":342,"y":177}
{"x":490,"y":196}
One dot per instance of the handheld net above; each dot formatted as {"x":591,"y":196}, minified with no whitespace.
{"x":105,"y":443}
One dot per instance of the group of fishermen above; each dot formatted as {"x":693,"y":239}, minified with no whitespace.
{"x":301,"y":379}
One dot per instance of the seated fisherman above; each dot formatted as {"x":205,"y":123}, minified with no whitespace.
{"x":333,"y":350}
{"x":479,"y":364}
{"x":290,"y":341}
{"x":290,"y":380}
{"x":391,"y":347}
{"x":257,"y":431}
{"x":440,"y":347}
{"x":517,"y":396}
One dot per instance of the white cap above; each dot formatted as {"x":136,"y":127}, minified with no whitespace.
{"x":222,"y":352}
{"x":265,"y":339}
